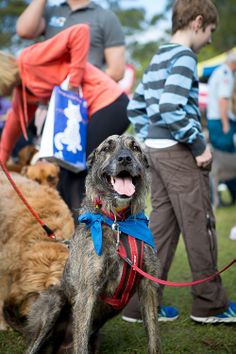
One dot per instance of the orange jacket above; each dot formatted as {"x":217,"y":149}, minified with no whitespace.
{"x":45,"y":65}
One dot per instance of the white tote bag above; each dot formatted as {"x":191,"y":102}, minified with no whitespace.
{"x":64,"y":134}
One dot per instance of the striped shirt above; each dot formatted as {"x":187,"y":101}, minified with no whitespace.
{"x":165,"y":103}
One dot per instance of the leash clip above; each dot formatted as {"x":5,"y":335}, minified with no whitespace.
{"x":116,"y":229}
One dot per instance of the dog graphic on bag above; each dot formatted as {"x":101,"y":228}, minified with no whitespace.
{"x":71,"y":135}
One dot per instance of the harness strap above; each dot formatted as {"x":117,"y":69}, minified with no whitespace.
{"x":133,"y":249}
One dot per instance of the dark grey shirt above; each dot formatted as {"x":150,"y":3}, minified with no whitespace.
{"x":105,"y":28}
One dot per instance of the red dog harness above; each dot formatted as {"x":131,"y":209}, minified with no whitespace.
{"x":130,"y":248}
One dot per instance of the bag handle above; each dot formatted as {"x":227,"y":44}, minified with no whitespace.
{"x":65,"y":85}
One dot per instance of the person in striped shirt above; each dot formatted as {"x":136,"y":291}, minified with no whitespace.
{"x":165,"y":114}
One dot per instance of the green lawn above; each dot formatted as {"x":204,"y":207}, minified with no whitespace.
{"x":183,"y":335}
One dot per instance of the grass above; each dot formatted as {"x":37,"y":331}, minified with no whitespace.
{"x":182,"y":335}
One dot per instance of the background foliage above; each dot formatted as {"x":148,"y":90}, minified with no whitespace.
{"x":9,"y":11}
{"x":225,"y":36}
{"x":135,"y":22}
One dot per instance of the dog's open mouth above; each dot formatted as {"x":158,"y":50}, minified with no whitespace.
{"x":123,"y":184}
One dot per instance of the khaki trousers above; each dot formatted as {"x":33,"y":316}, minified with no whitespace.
{"x":180,"y":197}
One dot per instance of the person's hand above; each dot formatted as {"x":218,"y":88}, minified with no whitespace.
{"x":225,"y":127}
{"x":205,"y":158}
{"x":73,"y":88}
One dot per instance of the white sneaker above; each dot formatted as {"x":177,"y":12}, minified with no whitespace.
{"x":232,"y":234}
{"x":131,"y":320}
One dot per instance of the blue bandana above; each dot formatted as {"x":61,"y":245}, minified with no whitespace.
{"x":134,"y":225}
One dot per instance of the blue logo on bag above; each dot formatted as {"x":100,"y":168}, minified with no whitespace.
{"x":57,"y":21}
{"x":70,"y":128}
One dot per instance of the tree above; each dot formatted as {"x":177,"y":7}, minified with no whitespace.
{"x":225,"y":36}
{"x":9,"y":12}
{"x":135,"y":24}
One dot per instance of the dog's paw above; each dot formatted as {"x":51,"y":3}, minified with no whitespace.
{"x":4,"y":326}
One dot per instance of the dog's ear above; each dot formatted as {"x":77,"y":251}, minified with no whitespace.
{"x":24,"y":170}
{"x":90,"y":159}
{"x":146,"y":163}
{"x":26,"y":154}
{"x":57,"y":168}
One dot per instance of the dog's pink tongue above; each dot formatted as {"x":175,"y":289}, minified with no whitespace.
{"x":123,"y":186}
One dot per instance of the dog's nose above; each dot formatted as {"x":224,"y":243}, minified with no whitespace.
{"x":124,"y":158}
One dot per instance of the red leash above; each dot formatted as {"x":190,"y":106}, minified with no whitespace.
{"x":171,"y":283}
{"x":135,"y":267}
{"x":46,"y":228}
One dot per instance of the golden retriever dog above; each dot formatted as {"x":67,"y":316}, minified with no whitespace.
{"x":28,"y":165}
{"x":30,"y":261}
{"x":43,"y":172}
{"x":25,"y":155}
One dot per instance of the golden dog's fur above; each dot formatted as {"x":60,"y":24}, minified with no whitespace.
{"x":25,"y":156}
{"x":40,"y":267}
{"x":43,"y":172}
{"x":29,"y":260}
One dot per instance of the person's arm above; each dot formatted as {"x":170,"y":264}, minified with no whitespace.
{"x":114,"y":46}
{"x":174,"y":98}
{"x":224,"y":108}
{"x":224,"y":94}
{"x":78,"y":44}
{"x":13,"y":127}
{"x":71,"y":44}
{"x":233,"y":101}
{"x":10,"y":134}
{"x":115,"y":62}
{"x":31,"y":23}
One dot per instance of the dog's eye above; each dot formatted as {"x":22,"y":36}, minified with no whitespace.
{"x":135,"y":147}
{"x":106,"y":148}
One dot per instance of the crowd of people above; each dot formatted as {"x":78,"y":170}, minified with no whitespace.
{"x":102,"y":46}
{"x":85,"y":41}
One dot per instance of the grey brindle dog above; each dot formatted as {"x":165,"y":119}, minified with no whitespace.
{"x":117,"y":173}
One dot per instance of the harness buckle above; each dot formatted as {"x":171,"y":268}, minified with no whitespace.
{"x":116,"y":229}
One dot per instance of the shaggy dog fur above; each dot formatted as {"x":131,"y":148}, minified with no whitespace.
{"x":29,"y":260}
{"x":117,"y":174}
